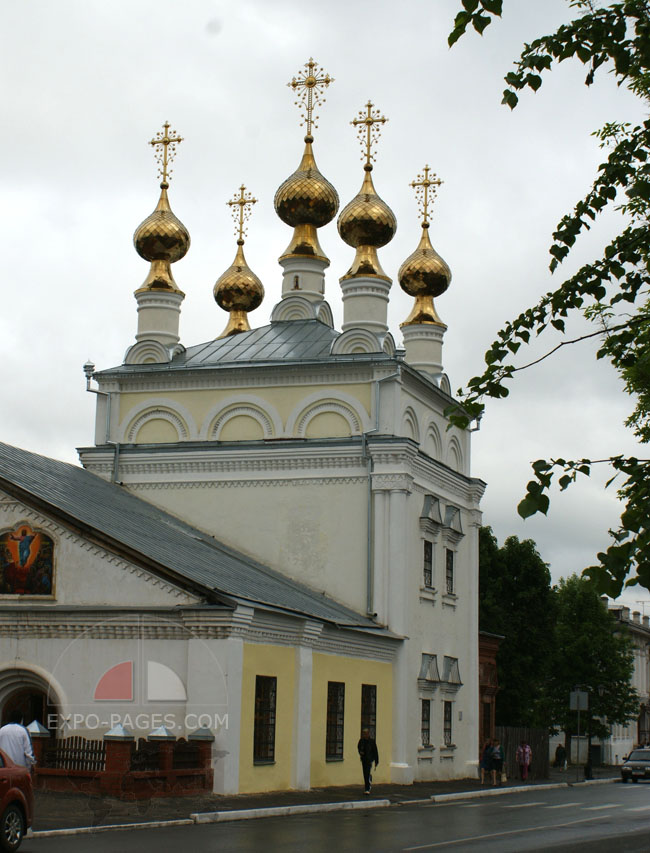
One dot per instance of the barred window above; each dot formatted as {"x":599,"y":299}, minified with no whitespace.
{"x":335,"y":718}
{"x":447,"y":723}
{"x":428,"y":563}
{"x":426,"y":722}
{"x":264,"y":728}
{"x":449,"y":570}
{"x":369,"y":709}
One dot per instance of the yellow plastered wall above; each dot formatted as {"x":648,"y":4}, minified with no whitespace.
{"x":283,"y":399}
{"x":353,"y":672}
{"x":276,"y":661}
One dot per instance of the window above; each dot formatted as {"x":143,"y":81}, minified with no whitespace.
{"x":447,"y":723}
{"x":449,"y":570}
{"x":264,"y":729}
{"x":428,"y":563}
{"x":335,"y":715}
{"x":426,"y":722}
{"x":369,"y":709}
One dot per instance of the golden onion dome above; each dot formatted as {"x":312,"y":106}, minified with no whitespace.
{"x":424,"y":274}
{"x":238,"y":291}
{"x":161,"y":239}
{"x":306,"y":197}
{"x":162,"y":236}
{"x":367,"y":220}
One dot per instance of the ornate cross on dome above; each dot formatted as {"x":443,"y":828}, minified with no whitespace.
{"x":244,"y":202}
{"x":309,"y":91}
{"x":422,"y":186}
{"x":165,"y":155}
{"x":368,"y":126}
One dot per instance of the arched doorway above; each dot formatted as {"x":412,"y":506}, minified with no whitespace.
{"x":26,"y":691}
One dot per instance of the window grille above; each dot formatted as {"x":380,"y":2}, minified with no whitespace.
{"x":264,"y":727}
{"x":369,"y":709}
{"x":426,"y":722}
{"x":449,"y":570}
{"x":428,"y":563}
{"x":335,"y":719}
{"x":447,"y":723}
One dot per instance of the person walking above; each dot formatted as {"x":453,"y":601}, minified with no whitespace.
{"x":486,"y":760}
{"x":497,"y":757}
{"x":15,"y":742}
{"x":523,"y":757}
{"x":368,"y":753}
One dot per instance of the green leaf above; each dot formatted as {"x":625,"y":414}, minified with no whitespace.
{"x":494,"y":6}
{"x":527,"y":507}
{"x":480,"y":22}
{"x":510,"y":99}
{"x":470,"y":5}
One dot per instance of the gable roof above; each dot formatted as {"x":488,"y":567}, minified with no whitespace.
{"x":183,"y":553}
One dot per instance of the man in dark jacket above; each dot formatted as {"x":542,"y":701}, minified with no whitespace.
{"x":367,"y":753}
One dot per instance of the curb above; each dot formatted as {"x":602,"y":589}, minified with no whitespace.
{"x":281,"y":811}
{"x":493,"y":792}
{"x":109,"y":827}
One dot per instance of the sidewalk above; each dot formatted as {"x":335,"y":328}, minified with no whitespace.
{"x":66,"y":811}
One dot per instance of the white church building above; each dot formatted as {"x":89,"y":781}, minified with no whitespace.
{"x":274,"y":534}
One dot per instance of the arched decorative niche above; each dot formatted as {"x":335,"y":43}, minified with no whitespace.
{"x":329,"y":418}
{"x":293,"y":307}
{"x":158,"y":420}
{"x":241,"y":423}
{"x":247,"y":415}
{"x":301,"y":422}
{"x":410,"y":424}
{"x":454,"y":454}
{"x":355,"y":341}
{"x":433,"y":442}
{"x":157,"y":426}
{"x":147,"y":352}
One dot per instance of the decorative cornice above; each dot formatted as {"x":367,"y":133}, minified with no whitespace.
{"x":242,"y":484}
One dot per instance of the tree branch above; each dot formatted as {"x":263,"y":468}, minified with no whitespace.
{"x":633,"y":322}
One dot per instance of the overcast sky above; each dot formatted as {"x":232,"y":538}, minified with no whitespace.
{"x":88,"y":83}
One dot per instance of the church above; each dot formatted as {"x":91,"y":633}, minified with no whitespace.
{"x":274,"y":534}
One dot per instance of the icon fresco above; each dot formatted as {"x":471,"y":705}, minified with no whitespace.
{"x":26,"y":562}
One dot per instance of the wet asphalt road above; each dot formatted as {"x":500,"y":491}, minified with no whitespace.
{"x":602,"y":818}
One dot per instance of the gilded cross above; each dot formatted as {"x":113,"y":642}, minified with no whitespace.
{"x":309,"y":91}
{"x":165,"y":155}
{"x":424,"y":185}
{"x":244,"y":202}
{"x":368,"y":126}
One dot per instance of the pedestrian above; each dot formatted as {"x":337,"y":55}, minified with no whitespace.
{"x":486,"y":760}
{"x":15,"y":742}
{"x":367,"y":753}
{"x":560,"y":757}
{"x":523,"y":757}
{"x":497,"y":757}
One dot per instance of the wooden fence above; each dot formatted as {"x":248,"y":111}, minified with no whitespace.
{"x":537,"y":739}
{"x":74,"y":753}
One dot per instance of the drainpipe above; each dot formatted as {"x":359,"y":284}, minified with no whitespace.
{"x":89,"y":371}
{"x":367,"y":458}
